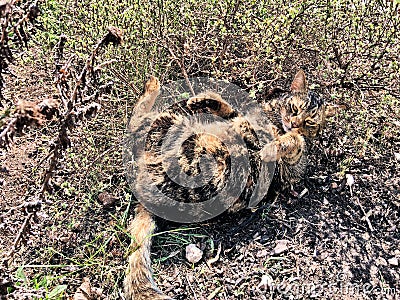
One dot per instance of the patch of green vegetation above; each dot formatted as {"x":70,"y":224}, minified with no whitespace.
{"x":247,"y":42}
{"x":344,"y":166}
{"x":41,"y":282}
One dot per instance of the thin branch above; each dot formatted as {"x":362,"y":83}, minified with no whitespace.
{"x":183,"y":70}
{"x":130,"y":84}
{"x":21,"y":231}
{"x":30,"y":204}
{"x":366,"y":215}
{"x":7,"y":133}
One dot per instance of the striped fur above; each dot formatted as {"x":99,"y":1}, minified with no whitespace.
{"x":295,"y":116}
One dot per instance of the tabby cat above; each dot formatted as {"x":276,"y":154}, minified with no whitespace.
{"x":297,"y":116}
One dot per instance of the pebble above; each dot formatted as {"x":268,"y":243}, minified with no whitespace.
{"x":393,"y":261}
{"x":349,"y":179}
{"x":397,"y":156}
{"x":266,"y":281}
{"x":193,"y":253}
{"x":381,"y":261}
{"x":64,"y":239}
{"x":107,"y":199}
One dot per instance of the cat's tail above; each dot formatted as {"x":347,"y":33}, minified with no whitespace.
{"x":139,"y":283}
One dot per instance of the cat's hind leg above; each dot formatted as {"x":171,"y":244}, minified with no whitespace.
{"x":150,"y":93}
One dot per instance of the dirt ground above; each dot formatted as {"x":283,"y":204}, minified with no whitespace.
{"x":340,"y":240}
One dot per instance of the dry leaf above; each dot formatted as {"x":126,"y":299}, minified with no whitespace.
{"x":281,"y":246}
{"x":216,"y":258}
{"x":87,"y":292}
{"x":262,"y":253}
{"x":107,"y":199}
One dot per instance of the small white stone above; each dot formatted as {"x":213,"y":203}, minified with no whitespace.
{"x":266,"y":282}
{"x":393,"y":261}
{"x":397,"y":155}
{"x":349,"y":179}
{"x":193,"y":253}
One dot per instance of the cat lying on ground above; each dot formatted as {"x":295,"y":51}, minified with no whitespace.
{"x":296,"y":117}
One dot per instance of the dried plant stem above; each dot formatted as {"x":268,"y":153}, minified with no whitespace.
{"x":49,"y":172}
{"x":8,"y":130}
{"x":113,"y":33}
{"x":67,"y":119}
{"x":183,"y":70}
{"x":24,"y":18}
{"x":21,"y":231}
{"x":130,"y":84}
{"x":366,"y":215}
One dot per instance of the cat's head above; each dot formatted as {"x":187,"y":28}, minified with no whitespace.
{"x":305,"y":110}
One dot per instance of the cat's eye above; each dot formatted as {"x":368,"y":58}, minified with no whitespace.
{"x":310,"y":123}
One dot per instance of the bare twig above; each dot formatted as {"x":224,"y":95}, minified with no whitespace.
{"x":29,"y":205}
{"x":106,"y":63}
{"x":216,"y":258}
{"x":366,"y":215}
{"x":13,"y":23}
{"x":183,"y":70}
{"x":191,"y":288}
{"x":7,"y":133}
{"x":21,"y":231}
{"x":130,"y":84}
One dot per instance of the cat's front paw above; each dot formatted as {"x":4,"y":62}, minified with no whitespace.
{"x":269,"y":152}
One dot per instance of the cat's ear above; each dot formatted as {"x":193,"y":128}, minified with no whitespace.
{"x":333,"y":109}
{"x":299,"y":84}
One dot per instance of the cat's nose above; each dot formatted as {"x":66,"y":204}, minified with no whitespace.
{"x":295,"y":125}
{"x":296,"y":122}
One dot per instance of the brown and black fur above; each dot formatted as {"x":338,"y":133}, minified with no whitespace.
{"x":296,"y":117}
